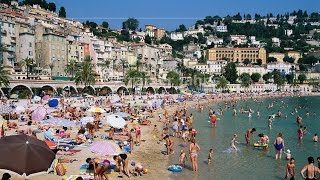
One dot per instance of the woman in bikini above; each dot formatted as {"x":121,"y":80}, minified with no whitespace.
{"x":193,"y":150}
{"x":310,"y":170}
{"x":100,"y":167}
{"x":279,"y":145}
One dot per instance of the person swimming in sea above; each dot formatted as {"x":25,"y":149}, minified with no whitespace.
{"x":279,"y":146}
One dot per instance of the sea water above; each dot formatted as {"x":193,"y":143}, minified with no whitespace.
{"x":250,"y":162}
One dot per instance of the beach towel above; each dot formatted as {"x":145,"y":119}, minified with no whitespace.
{"x":49,"y":136}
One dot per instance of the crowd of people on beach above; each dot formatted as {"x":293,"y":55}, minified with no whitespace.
{"x":176,"y":125}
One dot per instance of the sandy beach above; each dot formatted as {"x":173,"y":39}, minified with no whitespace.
{"x":149,"y":152}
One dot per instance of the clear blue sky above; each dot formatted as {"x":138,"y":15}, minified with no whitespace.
{"x":170,"y":13}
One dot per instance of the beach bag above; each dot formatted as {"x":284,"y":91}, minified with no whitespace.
{"x":60,"y":169}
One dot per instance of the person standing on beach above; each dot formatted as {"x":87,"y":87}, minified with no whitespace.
{"x":193,"y":151}
{"x":279,"y":145}
{"x":248,"y":135}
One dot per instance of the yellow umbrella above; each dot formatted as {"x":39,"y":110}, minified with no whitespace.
{"x":96,"y":110}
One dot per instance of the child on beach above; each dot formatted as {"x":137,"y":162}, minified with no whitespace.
{"x":182,"y":158}
{"x":290,"y":170}
{"x":210,"y":156}
{"x":233,"y":141}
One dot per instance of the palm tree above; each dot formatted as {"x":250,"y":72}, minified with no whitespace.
{"x":132,"y":76}
{"x":222,"y":83}
{"x":51,"y":66}
{"x":138,"y":63}
{"x":71,"y":68}
{"x":86,"y":74}
{"x":174,"y":78}
{"x":143,"y":77}
{"x":150,"y":69}
{"x":4,"y":77}
{"x":28,"y":63}
{"x":123,"y":63}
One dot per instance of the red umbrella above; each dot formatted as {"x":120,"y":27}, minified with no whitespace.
{"x":24,"y":155}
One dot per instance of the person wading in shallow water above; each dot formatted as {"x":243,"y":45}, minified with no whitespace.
{"x":193,"y":151}
{"x":249,"y":133}
{"x":310,"y":170}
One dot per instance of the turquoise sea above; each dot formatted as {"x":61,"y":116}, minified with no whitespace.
{"x":250,"y":162}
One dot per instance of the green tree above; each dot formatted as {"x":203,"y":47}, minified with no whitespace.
{"x":148,"y":39}
{"x":51,"y":66}
{"x":4,"y":77}
{"x":52,"y":7}
{"x":181,"y":28}
{"x":86,"y":74}
{"x":130,"y":24}
{"x":245,"y":79}
{"x":105,"y":24}
{"x":62,"y":12}
{"x":230,"y":72}
{"x":222,"y":83}
{"x":259,"y":62}
{"x":255,"y":77}
{"x":302,"y":78}
{"x":132,"y":76}
{"x":278,"y":79}
{"x":246,"y":62}
{"x":28,"y":63}
{"x":271,"y":59}
{"x":71,"y":68}
{"x":174,"y":78}
{"x":288,"y":59}
{"x":267,"y":77}
{"x":124,"y":64}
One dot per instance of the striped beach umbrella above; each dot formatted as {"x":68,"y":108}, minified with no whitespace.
{"x":103,"y":148}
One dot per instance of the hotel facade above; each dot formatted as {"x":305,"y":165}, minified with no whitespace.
{"x":237,"y":54}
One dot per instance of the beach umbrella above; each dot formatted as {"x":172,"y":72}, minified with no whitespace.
{"x":14,"y":96}
{"x":46,"y":97}
{"x":53,"y":102}
{"x":96,"y":110}
{"x":31,"y":155}
{"x":37,"y":98}
{"x":116,"y":121}
{"x":20,"y":109}
{"x":39,"y":113}
{"x":76,"y":104}
{"x":139,"y":104}
{"x":59,"y":122}
{"x":85,"y":120}
{"x":122,"y":114}
{"x":103,"y":148}
{"x":5,"y":109}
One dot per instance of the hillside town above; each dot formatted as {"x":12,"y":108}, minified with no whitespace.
{"x":39,"y":44}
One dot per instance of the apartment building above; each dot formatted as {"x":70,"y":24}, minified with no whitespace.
{"x":26,"y":46}
{"x":52,"y":53}
{"x":238,"y":39}
{"x":278,"y":56}
{"x":8,"y":39}
{"x":75,"y":48}
{"x":252,"y":69}
{"x":237,"y":54}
